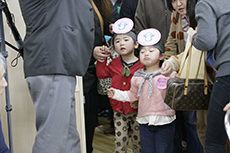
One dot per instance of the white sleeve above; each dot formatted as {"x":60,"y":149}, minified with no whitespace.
{"x":121,"y":95}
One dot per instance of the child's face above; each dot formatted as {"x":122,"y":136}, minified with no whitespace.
{"x":124,"y":45}
{"x":180,"y":6}
{"x":3,"y":82}
{"x":150,"y":56}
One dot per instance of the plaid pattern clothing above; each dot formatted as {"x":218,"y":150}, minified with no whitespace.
{"x":175,"y":42}
{"x":185,"y":23}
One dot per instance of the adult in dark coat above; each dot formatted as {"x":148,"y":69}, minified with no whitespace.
{"x":116,"y":10}
{"x":92,"y":98}
{"x":128,"y":9}
{"x":57,"y":47}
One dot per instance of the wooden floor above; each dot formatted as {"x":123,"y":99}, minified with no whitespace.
{"x":104,"y":143}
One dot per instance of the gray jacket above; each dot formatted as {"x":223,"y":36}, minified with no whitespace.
{"x":59,"y":36}
{"x":213,"y":32}
{"x":153,"y":14}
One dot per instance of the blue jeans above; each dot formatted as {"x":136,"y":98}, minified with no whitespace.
{"x":157,"y":139}
{"x":216,"y":135}
{"x":3,"y":147}
{"x":186,"y":120}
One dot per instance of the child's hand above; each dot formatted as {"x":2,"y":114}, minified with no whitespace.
{"x":227,"y":107}
{"x":166,"y":68}
{"x":110,"y":92}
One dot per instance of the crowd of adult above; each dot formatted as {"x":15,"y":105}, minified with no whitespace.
{"x":65,"y":38}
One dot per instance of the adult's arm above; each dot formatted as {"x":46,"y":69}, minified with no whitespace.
{"x":206,"y":37}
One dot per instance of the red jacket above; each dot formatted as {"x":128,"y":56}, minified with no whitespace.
{"x":114,"y":70}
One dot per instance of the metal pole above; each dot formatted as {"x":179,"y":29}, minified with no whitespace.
{"x":8,"y":105}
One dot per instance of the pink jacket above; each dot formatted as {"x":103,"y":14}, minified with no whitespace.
{"x":155,"y":104}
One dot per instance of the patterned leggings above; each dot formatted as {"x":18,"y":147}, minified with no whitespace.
{"x":121,"y":124}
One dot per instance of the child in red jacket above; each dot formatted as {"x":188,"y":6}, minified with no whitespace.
{"x":121,"y":70}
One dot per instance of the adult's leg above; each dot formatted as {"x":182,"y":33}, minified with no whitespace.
{"x":216,"y":135}
{"x":110,"y":129}
{"x":90,"y":106}
{"x":201,"y":126}
{"x":54,"y":102}
{"x":3,"y":147}
{"x":190,"y":124}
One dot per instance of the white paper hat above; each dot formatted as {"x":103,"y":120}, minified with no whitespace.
{"x":149,"y":37}
{"x":123,"y":25}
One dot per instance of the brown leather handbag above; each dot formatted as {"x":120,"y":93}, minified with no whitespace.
{"x":186,"y":93}
{"x":195,"y":97}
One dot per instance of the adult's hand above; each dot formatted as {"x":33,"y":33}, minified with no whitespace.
{"x":111,"y":28}
{"x":166,"y":68}
{"x":100,"y":53}
{"x":227,"y":107}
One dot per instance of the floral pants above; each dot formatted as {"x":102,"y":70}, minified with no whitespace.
{"x":122,"y":123}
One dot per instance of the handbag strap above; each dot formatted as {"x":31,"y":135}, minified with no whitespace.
{"x":184,"y":59}
{"x":188,"y":57}
{"x":198,"y":69}
{"x":205,"y":77}
{"x":99,"y":16}
{"x":187,"y":52}
{"x":188,"y":70}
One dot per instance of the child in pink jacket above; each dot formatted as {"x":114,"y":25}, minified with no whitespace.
{"x":148,"y":86}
